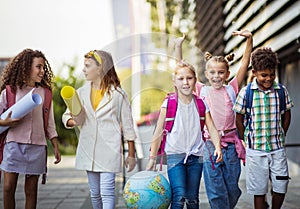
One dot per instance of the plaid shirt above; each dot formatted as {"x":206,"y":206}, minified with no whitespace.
{"x":265,"y":133}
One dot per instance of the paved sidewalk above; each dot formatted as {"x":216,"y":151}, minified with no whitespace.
{"x":67,"y":188}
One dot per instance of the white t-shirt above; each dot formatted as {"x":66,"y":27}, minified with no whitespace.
{"x":185,"y":136}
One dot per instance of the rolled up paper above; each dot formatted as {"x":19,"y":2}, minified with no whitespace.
{"x":22,"y":107}
{"x":71,"y":99}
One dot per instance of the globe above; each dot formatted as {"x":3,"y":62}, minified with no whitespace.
{"x":147,"y":190}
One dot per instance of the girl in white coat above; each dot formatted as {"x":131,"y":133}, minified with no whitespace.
{"x":105,"y":118}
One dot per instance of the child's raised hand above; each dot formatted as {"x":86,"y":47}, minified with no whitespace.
{"x":179,"y":41}
{"x":8,"y":121}
{"x":246,"y":33}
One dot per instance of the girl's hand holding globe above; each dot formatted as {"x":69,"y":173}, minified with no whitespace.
{"x":151,"y":166}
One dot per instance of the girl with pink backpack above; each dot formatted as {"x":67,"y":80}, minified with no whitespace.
{"x":184,"y":143}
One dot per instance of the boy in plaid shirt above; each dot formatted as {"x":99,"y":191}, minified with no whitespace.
{"x":264,"y":130}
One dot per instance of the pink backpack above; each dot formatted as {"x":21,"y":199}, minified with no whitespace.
{"x":170,"y":118}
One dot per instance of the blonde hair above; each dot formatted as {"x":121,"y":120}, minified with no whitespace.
{"x":209,"y":58}
{"x":183,"y":64}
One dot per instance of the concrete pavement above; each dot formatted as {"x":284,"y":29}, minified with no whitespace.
{"x":67,"y":188}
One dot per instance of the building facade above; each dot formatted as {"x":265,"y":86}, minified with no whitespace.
{"x":275,"y":24}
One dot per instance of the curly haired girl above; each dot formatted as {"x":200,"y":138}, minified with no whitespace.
{"x":25,"y":143}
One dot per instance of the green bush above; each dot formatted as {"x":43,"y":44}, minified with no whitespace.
{"x":67,"y":137}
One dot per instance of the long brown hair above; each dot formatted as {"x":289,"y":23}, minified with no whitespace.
{"x":18,"y":69}
{"x":110,"y":77}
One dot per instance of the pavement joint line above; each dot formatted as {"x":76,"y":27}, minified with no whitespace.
{"x":57,"y":194}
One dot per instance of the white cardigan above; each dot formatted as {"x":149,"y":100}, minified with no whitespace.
{"x":100,"y":139}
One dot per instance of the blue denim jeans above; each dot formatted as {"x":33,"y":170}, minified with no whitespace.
{"x":184,"y":180}
{"x":221,"y":183}
{"x":102,"y":189}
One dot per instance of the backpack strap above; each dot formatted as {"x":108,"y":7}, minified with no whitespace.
{"x":249,"y":99}
{"x":281,"y":95}
{"x":201,"y":110}
{"x":10,"y":96}
{"x":171,"y":111}
{"x":11,"y":100}
{"x":248,"y":106}
{"x":231,"y":93}
{"x":46,"y":112}
{"x":169,"y":122}
{"x":46,"y":108}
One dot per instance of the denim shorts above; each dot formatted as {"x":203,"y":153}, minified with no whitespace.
{"x":24,"y":158}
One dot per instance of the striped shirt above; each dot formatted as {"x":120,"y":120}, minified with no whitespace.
{"x":265,"y":132}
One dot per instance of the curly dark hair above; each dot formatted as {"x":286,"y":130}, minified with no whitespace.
{"x":264,"y":58}
{"x":218,"y":59}
{"x":18,"y":69}
{"x":110,"y":75}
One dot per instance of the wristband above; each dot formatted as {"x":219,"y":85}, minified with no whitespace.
{"x":152,"y":157}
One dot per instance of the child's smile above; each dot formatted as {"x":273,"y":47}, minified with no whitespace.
{"x":217,"y":74}
{"x":185,"y":81}
{"x":265,"y":78}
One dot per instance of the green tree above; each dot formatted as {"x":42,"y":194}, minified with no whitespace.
{"x":153,"y":90}
{"x":169,"y":16}
{"x":67,"y":137}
